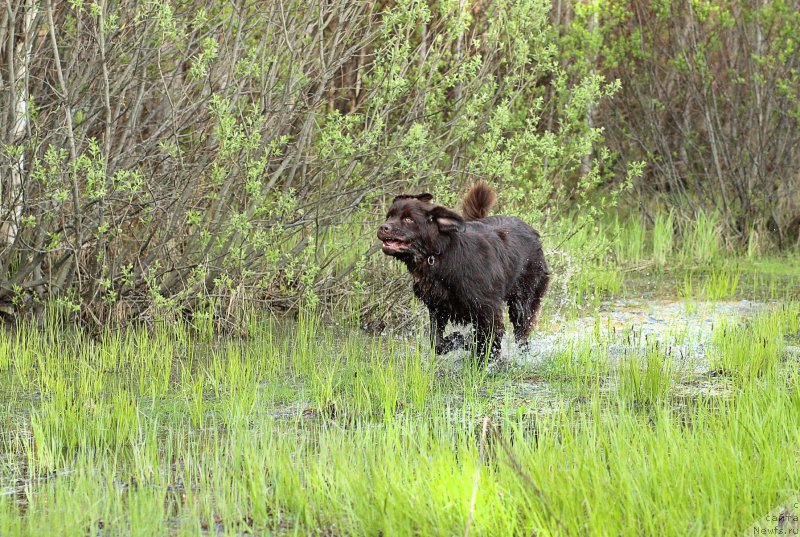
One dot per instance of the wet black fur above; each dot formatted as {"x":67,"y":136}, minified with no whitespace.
{"x":465,"y":270}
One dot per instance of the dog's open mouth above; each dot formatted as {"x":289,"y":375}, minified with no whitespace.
{"x":394,"y":246}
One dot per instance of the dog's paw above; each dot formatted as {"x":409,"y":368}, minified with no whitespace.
{"x":451,"y":342}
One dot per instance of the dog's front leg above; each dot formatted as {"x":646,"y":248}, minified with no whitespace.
{"x":438,"y":322}
{"x":440,"y":343}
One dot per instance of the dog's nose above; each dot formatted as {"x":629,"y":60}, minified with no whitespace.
{"x":386,"y":228}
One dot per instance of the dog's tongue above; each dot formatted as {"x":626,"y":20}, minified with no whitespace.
{"x":394,"y":246}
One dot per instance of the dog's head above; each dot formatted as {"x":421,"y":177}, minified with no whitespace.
{"x":415,"y":227}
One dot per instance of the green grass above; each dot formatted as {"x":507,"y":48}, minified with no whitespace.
{"x":754,"y":348}
{"x":720,"y":285}
{"x":645,"y":376}
{"x":663,"y":237}
{"x":701,"y":241}
{"x":582,"y":365}
{"x":629,"y":238}
{"x":625,"y":255}
{"x":299,"y":429}
{"x":664,"y":241}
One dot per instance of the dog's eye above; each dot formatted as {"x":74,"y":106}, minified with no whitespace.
{"x":408,"y":220}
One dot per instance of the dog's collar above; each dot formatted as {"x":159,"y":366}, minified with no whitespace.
{"x":432,"y":258}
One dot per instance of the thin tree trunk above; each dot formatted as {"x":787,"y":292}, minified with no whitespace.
{"x":18,"y":71}
{"x":586,"y":161}
{"x":68,"y":269}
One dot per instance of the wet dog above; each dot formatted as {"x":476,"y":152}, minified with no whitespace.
{"x":466,"y":267}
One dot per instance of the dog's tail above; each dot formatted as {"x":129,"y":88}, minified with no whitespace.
{"x":478,"y":201}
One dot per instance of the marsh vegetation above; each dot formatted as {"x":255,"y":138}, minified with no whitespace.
{"x":668,"y":407}
{"x":200,"y":334}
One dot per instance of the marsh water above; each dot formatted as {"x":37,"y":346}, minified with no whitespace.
{"x":684,"y":326}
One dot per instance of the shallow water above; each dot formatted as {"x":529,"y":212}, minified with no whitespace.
{"x":681,"y":329}
{"x":624,"y":325}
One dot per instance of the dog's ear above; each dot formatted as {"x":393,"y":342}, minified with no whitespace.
{"x":447,"y":221}
{"x":421,"y":197}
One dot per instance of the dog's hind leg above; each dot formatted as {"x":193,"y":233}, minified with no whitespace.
{"x":489,"y":334}
{"x":538,"y":295}
{"x":520,"y":315}
{"x":524,"y":306}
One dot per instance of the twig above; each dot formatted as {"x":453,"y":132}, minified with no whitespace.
{"x":518,"y":468}
{"x":486,"y":422}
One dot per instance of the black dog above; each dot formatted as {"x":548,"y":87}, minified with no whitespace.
{"x":464,"y":268}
